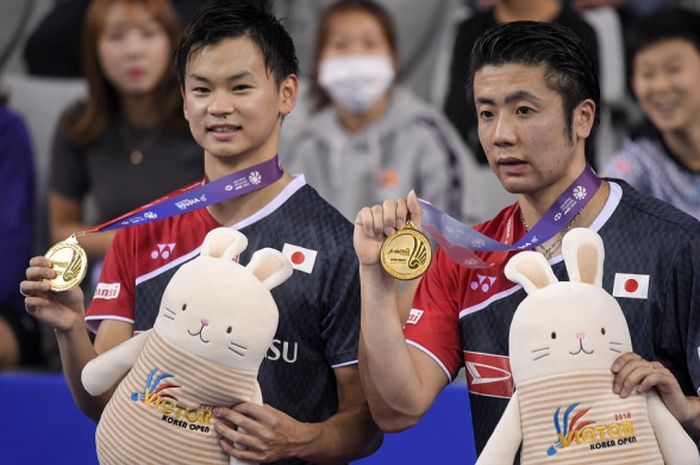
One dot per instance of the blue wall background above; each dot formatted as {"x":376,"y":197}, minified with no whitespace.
{"x":41,"y":424}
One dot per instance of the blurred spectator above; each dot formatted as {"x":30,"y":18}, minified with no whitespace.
{"x":19,"y":333}
{"x":128,"y":143}
{"x":53,"y":48}
{"x":372,"y":139}
{"x":458,"y":107}
{"x":663,"y":157}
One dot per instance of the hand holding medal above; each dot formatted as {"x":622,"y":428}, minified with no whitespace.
{"x":69,"y":263}
{"x":389,"y":235}
{"x":406,"y":254}
{"x":69,"y":260}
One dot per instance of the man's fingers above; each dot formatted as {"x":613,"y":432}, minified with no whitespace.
{"x":35,"y":305}
{"x":263,"y":414}
{"x":624,"y":372}
{"x":237,"y":420}
{"x":414,"y":208}
{"x":377,"y":221}
{"x":383,"y":220}
{"x":656,"y":378}
{"x":239,"y":437}
{"x":250,"y":455}
{"x":40,"y":261}
{"x":401,"y":213}
{"x":33,"y":288}
{"x":364,"y":220}
{"x":390,"y":216}
{"x":37,"y":273}
{"x":622,"y":360}
{"x":634,"y":378}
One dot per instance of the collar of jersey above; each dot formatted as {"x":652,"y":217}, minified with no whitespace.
{"x":298,"y":181}
{"x":608,"y":209}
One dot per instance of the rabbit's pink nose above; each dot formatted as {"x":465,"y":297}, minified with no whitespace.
{"x":204,"y":322}
{"x":580,"y":336}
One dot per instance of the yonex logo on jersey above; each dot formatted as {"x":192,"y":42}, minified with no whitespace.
{"x":482,"y":283}
{"x":413,"y":316}
{"x":488,"y":374}
{"x":107,"y":291}
{"x":163,"y":251}
{"x":302,"y":259}
{"x":633,"y":286}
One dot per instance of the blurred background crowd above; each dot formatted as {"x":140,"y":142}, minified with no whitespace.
{"x":91,"y":123}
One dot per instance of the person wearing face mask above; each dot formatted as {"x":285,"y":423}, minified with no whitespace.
{"x":370,"y":138}
{"x":662,"y":158}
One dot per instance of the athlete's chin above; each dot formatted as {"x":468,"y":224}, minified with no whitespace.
{"x":515,"y":185}
{"x":224,"y":152}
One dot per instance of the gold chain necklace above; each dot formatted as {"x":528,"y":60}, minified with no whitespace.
{"x":548,"y":252}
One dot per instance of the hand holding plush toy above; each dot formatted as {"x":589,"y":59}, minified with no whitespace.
{"x":564,"y":337}
{"x":216,"y":322}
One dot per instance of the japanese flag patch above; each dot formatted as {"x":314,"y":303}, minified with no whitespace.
{"x":302,"y":259}
{"x":632,"y":286}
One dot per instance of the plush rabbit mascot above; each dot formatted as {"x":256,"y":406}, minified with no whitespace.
{"x":564,"y":338}
{"x":215,"y":324}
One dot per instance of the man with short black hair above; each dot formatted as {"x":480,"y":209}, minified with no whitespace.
{"x":237,"y":68}
{"x":536,"y":96}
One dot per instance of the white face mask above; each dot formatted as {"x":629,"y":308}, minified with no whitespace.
{"x":356,"y":82}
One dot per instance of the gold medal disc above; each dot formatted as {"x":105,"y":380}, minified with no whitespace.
{"x":406,"y":254}
{"x":69,"y":262}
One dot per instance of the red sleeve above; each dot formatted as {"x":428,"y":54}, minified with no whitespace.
{"x":115,"y":291}
{"x":433,"y":324}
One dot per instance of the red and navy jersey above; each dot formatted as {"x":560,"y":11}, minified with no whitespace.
{"x":461,"y":316}
{"x":318,"y":306}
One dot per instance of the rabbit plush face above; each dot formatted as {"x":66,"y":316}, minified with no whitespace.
{"x":221,"y":311}
{"x":565,"y":326}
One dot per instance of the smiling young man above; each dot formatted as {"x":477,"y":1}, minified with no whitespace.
{"x":536,"y":96}
{"x":237,"y":67}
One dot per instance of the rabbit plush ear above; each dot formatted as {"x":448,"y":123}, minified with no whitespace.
{"x":270,"y":266}
{"x":583,"y":253}
{"x":224,"y":243}
{"x":531,"y":270}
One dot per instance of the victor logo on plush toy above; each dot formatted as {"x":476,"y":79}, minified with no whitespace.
{"x":215,"y":324}
{"x":563,"y":340}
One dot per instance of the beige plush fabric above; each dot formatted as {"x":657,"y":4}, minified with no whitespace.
{"x":156,"y":429}
{"x":620,"y":432}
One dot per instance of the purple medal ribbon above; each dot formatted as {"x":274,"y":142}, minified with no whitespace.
{"x":195,"y":197}
{"x":459,"y":241}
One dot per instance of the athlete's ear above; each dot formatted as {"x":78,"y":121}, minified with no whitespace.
{"x":530,"y":269}
{"x":185,"y":112}
{"x":288,"y":94}
{"x":583,"y":253}
{"x":584,"y":117}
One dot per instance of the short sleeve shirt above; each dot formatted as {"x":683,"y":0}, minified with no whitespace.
{"x":461,"y":317}
{"x":318,"y":306}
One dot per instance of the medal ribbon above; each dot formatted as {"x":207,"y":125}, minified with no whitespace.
{"x":196,"y":196}
{"x":459,"y":241}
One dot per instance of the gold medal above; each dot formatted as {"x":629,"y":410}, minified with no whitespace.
{"x":406,"y":254}
{"x":69,"y":262}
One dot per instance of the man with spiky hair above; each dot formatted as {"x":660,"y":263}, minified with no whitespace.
{"x":237,"y":69}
